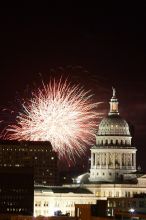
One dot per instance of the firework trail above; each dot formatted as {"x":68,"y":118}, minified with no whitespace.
{"x":61,"y":113}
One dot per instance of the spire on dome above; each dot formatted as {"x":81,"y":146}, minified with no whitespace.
{"x":114,"y":104}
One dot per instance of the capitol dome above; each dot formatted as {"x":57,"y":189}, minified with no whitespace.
{"x":113,"y":125}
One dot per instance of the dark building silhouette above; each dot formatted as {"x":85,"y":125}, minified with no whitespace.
{"x":87,"y":211}
{"x":99,"y":209}
{"x":16,"y":190}
{"x":36,"y":154}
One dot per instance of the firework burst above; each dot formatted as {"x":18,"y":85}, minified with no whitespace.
{"x":61,"y":113}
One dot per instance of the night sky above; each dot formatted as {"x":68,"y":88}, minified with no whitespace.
{"x":94,"y":46}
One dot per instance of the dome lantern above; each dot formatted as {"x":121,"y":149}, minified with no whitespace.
{"x":114,"y":104}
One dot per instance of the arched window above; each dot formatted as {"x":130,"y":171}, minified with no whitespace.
{"x":110,"y":194}
{"x":117,"y":194}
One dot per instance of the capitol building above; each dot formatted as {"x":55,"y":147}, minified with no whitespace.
{"x":113,"y":171}
{"x":113,"y":158}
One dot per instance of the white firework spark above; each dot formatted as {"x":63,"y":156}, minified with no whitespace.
{"x":61,"y":113}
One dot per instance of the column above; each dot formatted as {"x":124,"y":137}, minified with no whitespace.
{"x":101,"y":155}
{"x":125,"y":159}
{"x":114,"y":155}
{"x":96,"y":159}
{"x":107,"y":159}
{"x":131,"y":160}
{"x":93,"y":159}
{"x":134,"y":160}
{"x":103,"y":158}
{"x":120,"y":160}
{"x":100,"y":159}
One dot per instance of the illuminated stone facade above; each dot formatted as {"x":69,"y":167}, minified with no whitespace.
{"x":48,"y":200}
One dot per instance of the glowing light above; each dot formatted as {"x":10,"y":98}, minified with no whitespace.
{"x":61,"y":113}
{"x":131,"y":210}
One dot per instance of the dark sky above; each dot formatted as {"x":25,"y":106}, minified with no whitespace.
{"x":99,"y":47}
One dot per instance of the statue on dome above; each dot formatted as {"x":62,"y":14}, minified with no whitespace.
{"x":114,"y":91}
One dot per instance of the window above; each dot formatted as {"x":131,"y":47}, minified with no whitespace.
{"x":141,"y":204}
{"x":103,"y":193}
{"x":134,"y":204}
{"x":98,"y":194}
{"x":110,"y":194}
{"x":117,"y":194}
{"x":38,"y":204}
{"x":127,"y":194}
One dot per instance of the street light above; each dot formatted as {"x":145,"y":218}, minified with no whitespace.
{"x":131,"y":210}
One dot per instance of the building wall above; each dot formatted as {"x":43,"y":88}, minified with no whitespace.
{"x":83,"y":212}
{"x":88,"y":211}
{"x":16,"y":190}
{"x":46,"y":202}
{"x":117,"y":190}
{"x":136,"y":204}
{"x":38,"y":155}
